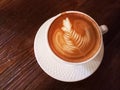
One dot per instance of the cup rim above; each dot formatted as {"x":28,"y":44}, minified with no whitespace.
{"x":89,"y":59}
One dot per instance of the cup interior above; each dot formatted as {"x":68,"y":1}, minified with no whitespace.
{"x":97,"y":28}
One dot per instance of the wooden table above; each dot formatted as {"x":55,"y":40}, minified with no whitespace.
{"x":19,"y":22}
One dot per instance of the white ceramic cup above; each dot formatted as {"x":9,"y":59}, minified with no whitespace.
{"x":58,"y":68}
{"x":102,"y":30}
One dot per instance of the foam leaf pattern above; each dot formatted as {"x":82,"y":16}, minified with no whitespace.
{"x":73,"y":40}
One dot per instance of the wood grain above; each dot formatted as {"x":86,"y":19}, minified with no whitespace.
{"x":19,"y":22}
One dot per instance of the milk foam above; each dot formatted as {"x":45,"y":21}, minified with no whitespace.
{"x":73,"y":37}
{"x":74,"y":43}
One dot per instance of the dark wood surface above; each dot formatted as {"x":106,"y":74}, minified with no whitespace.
{"x":19,"y":22}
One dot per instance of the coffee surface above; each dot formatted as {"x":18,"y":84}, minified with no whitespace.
{"x":74,"y":37}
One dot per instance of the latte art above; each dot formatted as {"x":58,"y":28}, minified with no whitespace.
{"x":74,"y":44}
{"x":72,"y":39}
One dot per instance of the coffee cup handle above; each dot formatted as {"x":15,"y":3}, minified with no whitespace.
{"x":104,"y":29}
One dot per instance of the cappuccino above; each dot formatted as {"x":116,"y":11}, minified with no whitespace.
{"x":74,"y":37}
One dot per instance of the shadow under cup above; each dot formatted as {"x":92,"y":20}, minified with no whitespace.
{"x":74,"y":37}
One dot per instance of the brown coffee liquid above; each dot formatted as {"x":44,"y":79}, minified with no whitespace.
{"x":74,"y":37}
